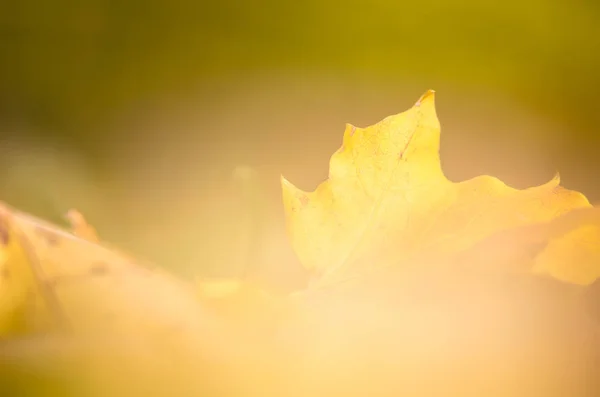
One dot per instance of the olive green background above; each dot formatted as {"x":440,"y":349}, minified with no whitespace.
{"x":138,"y":112}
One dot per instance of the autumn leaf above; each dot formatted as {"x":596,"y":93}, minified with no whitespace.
{"x":80,"y":273}
{"x":81,"y":308}
{"x":387,"y":201}
{"x":566,"y":248}
{"x":20,"y":290}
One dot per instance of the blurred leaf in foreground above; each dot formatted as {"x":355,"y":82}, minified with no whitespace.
{"x":124,"y":328}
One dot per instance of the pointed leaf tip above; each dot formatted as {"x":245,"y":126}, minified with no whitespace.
{"x":350,"y":129}
{"x":428,"y":96}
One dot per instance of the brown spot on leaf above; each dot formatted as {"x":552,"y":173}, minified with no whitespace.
{"x":5,"y":273}
{"x":99,"y":269}
{"x":303,"y":200}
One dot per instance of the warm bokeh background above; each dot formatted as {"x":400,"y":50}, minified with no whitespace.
{"x":138,"y":112}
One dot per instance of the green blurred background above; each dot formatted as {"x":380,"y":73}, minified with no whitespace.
{"x":138,"y":112}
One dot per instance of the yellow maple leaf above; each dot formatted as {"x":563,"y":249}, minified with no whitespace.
{"x":387,"y":201}
{"x":566,"y":248}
